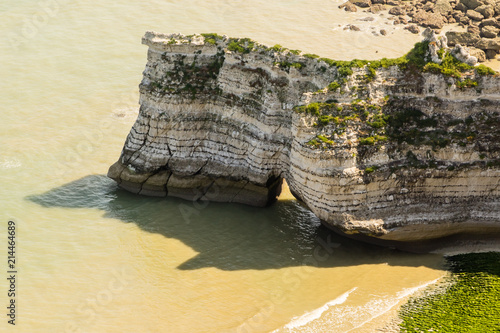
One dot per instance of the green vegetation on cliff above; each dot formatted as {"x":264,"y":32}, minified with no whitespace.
{"x":382,"y":122}
{"x":485,"y":70}
{"x":449,"y":66}
{"x":368,"y":118}
{"x":470,"y":304}
{"x":416,"y":59}
{"x":212,"y":38}
{"x":391,"y":123}
{"x":241,"y":45}
{"x":190,"y":77}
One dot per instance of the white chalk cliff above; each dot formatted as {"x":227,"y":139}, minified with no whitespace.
{"x":388,"y":153}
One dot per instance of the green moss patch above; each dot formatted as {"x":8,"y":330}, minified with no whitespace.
{"x":285,"y":65}
{"x":372,"y":140}
{"x":311,"y":56}
{"x":449,"y":66}
{"x":333,"y":86}
{"x":470,"y":304}
{"x":417,"y":57}
{"x":415,"y":128}
{"x":371,"y":169}
{"x":467,"y":83}
{"x":241,"y":45}
{"x":212,"y":38}
{"x":190,"y":77}
{"x":484,"y":70}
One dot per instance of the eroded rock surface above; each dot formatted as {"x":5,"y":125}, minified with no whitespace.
{"x":386,"y":152}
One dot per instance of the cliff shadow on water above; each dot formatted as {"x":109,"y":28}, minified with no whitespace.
{"x":229,"y":236}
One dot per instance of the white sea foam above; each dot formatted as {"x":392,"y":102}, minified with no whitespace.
{"x":348,"y":318}
{"x":10,"y":164}
{"x":386,"y":305}
{"x":315,"y":314}
{"x":408,"y":291}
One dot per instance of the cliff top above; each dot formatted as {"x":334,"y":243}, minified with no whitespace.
{"x":431,"y":55}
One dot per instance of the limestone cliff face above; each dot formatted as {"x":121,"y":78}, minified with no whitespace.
{"x":390,"y":153}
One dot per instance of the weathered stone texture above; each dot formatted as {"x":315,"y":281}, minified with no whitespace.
{"x":219,"y":125}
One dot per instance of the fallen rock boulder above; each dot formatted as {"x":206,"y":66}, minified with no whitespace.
{"x":479,"y":54}
{"x":413,"y":28}
{"x":473,"y":15}
{"x":362,"y":3}
{"x":443,"y":7}
{"x":471,"y":4}
{"x":486,"y":10}
{"x":377,"y":8}
{"x":474,"y":29}
{"x":491,"y":54}
{"x":349,"y":7}
{"x":488,"y":44}
{"x":431,"y":20}
{"x":398,"y":11}
{"x":462,"y":38}
{"x":489,"y":31}
{"x":490,"y":22}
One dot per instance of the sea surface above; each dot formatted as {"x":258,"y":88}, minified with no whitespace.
{"x":93,"y":258}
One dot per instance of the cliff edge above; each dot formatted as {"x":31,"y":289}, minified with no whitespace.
{"x":398,"y":150}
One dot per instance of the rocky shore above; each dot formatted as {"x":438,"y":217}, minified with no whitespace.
{"x":481,"y":18}
{"x":397,"y":150}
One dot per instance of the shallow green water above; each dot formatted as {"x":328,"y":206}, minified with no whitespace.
{"x":92,"y":258}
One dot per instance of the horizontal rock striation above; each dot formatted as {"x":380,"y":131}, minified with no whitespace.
{"x":381,"y":150}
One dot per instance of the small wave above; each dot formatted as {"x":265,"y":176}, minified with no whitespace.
{"x":10,"y":164}
{"x":385,"y":305}
{"x":347,"y":318}
{"x":315,"y":314}
{"x":408,"y":291}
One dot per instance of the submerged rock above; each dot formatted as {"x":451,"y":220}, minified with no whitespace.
{"x":359,"y":3}
{"x":352,"y":27}
{"x":349,"y":7}
{"x":413,"y":29}
{"x":362,"y":3}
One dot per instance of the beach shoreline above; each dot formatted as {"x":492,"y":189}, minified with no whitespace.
{"x":390,"y":321}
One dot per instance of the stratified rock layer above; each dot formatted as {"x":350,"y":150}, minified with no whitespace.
{"x":391,"y":154}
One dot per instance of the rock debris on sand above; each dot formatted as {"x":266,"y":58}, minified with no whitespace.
{"x":481,"y":18}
